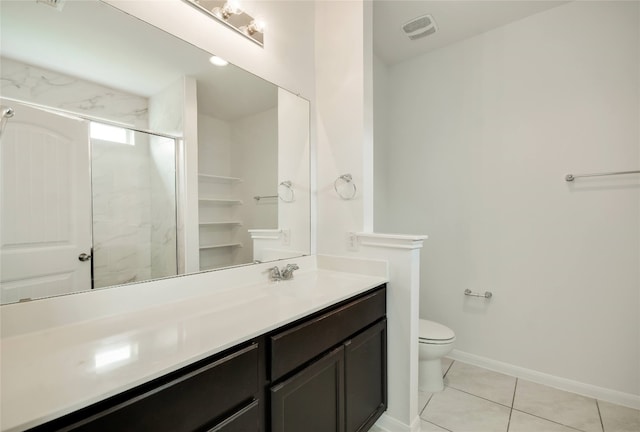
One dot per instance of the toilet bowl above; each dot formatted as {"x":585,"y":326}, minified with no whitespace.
{"x":435,"y":341}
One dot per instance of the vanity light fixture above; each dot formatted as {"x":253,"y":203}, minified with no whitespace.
{"x":58,"y":4}
{"x":218,"y":61}
{"x":231,"y":7}
{"x":255,"y":26}
{"x":231,"y":14}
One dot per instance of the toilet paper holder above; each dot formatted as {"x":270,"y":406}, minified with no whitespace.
{"x":487,"y":294}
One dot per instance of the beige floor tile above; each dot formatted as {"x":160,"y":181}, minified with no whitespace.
{"x":461,"y":412}
{"x":425,"y":426}
{"x":616,"y":418}
{"x":423,"y":398}
{"x":481,"y":382}
{"x":556,"y":405}
{"x":522,"y":422}
{"x":446,"y":363}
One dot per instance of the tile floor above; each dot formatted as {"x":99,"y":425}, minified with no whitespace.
{"x":479,"y":400}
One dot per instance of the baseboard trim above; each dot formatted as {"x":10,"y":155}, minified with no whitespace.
{"x":390,"y":424}
{"x":600,"y":393}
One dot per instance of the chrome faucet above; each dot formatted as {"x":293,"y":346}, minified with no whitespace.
{"x":287,"y":273}
{"x":274,"y":273}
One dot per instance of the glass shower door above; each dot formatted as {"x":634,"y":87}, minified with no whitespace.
{"x":133,"y":176}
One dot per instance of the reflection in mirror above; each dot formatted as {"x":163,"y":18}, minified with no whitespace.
{"x":133,"y":196}
{"x":66,"y":227}
{"x":143,"y":211}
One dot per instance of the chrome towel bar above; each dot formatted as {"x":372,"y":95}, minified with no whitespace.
{"x":345,"y":181}
{"x":285,"y":193}
{"x":572,"y":177}
{"x":487,"y":294}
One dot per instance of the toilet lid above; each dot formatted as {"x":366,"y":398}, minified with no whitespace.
{"x":430,"y":330}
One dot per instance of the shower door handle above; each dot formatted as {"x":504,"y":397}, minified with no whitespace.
{"x":84,"y":257}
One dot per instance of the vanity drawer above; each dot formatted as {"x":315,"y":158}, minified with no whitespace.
{"x":302,"y":342}
{"x":245,"y":420}
{"x":190,"y":402}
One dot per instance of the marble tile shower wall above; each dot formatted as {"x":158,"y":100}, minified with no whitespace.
{"x":121,"y":212}
{"x":163,"y":207}
{"x":36,"y":85}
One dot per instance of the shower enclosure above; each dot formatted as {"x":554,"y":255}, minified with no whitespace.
{"x":83,"y":205}
{"x":133,"y":191}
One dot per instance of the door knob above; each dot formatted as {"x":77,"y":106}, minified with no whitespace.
{"x":84,"y":257}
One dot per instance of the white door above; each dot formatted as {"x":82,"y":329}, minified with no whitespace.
{"x":45,"y":207}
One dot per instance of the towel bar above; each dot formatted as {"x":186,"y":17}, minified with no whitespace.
{"x":572,"y":177}
{"x":487,"y":294}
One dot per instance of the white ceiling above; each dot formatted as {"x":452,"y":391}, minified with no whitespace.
{"x":92,"y":40}
{"x":456,"y":20}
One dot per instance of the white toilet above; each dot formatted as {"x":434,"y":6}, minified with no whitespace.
{"x":436,"y":341}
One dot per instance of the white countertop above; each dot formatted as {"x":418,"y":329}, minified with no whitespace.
{"x":49,"y":373}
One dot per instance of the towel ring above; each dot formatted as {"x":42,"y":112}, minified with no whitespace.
{"x":344,"y":186}
{"x":285,"y":191}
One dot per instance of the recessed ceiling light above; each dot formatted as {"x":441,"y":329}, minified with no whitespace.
{"x":218,"y":61}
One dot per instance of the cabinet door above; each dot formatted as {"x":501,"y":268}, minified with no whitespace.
{"x":313,"y":399}
{"x":366,"y":377}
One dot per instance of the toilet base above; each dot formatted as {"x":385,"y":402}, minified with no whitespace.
{"x":430,"y":375}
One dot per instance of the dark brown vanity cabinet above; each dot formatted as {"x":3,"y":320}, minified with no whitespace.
{"x":366,"y":377}
{"x":222,"y":393}
{"x":323,"y":373}
{"x":334,"y":369}
{"x":313,"y":399}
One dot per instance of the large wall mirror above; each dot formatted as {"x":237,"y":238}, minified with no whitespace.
{"x":127,"y":156}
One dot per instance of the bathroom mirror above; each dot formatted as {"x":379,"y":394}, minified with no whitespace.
{"x":161,"y":105}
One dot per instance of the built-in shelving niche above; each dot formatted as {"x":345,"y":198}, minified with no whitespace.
{"x":218,"y":221}
{"x":218,"y":179}
{"x":219,"y":246}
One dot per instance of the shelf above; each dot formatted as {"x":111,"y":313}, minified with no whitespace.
{"x":218,"y":179}
{"x":220,"y":201}
{"x":221,"y":223}
{"x":217,"y":246}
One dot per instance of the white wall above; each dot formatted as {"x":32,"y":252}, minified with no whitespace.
{"x":254,"y":158}
{"x":214,"y":146}
{"x":380,"y":143}
{"x":340,"y":120}
{"x":483,"y":133}
{"x":293,"y":166}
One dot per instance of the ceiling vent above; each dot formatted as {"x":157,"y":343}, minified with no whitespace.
{"x":58,"y":4}
{"x":420,"y":27}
